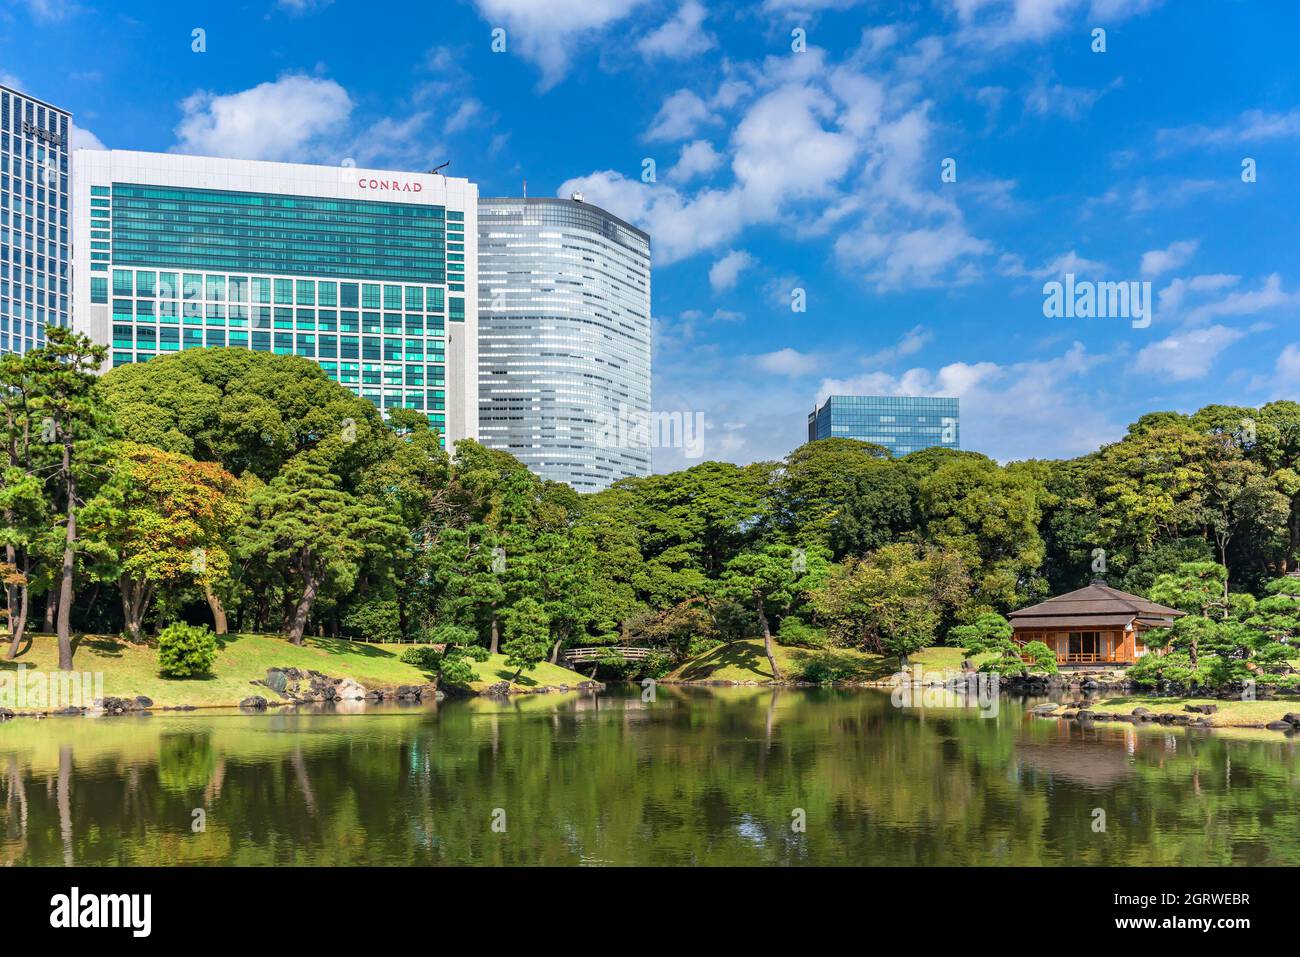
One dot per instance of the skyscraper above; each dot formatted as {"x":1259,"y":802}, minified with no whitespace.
{"x":901,"y":424}
{"x":34,"y":241}
{"x":371,"y":274}
{"x":564,"y":339}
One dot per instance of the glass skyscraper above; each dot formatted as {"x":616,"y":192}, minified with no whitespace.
{"x":34,"y":243}
{"x":901,"y":424}
{"x":564,"y":339}
{"x":370,"y":274}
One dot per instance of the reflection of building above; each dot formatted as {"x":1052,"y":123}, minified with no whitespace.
{"x":564,"y":339}
{"x":1093,"y":625}
{"x":34,"y":244}
{"x":901,"y":424}
{"x":372,"y":275}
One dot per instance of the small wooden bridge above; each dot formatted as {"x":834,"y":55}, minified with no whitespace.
{"x":597,"y":653}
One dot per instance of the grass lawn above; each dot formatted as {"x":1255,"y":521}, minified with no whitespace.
{"x":131,"y":670}
{"x":1231,"y":714}
{"x":495,"y":669}
{"x":745,"y":661}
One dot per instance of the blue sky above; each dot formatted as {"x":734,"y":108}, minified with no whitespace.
{"x":819,"y":170}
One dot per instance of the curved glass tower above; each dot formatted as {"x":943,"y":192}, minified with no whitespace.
{"x":564,"y":339}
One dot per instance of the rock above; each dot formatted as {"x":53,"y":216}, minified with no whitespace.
{"x":1141,"y":712}
{"x":499,"y":690}
{"x":277,"y":680}
{"x":349,"y":690}
{"x":253,"y":703}
{"x":5,"y":714}
{"x":1280,"y":726}
{"x":1085,"y":715}
{"x":1201,"y":708}
{"x":1291,"y":718}
{"x":117,"y":705}
{"x":143,"y":702}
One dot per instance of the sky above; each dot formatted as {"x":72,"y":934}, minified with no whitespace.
{"x":844,"y":196}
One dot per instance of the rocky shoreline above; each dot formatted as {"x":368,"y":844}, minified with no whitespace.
{"x":292,"y":687}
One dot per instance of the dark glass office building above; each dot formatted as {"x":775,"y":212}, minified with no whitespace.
{"x":901,"y":424}
{"x":34,"y":248}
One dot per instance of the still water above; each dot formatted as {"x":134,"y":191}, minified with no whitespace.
{"x":699,"y":776}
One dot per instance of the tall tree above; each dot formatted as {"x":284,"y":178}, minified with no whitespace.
{"x":303,"y":522}
{"x":67,"y":402}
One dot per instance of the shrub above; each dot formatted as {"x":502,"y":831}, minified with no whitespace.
{"x":186,"y":650}
{"x":374,"y":620}
{"x":426,"y":658}
{"x":796,"y":634}
{"x":1041,"y":657}
{"x":827,"y":666}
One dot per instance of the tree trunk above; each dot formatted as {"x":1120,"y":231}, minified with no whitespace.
{"x":496,"y":635}
{"x":219,"y":624}
{"x":767,"y":636}
{"x":64,"y":622}
{"x":132,"y":609}
{"x":555,"y":650}
{"x":299,"y":623}
{"x":18,"y":627}
{"x":51,"y":608}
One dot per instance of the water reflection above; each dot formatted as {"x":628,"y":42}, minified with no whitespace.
{"x":698,"y":776}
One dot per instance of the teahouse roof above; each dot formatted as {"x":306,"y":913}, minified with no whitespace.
{"x":1094,"y":606}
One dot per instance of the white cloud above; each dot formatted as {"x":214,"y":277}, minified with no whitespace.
{"x":680,"y":116}
{"x":546,"y":32}
{"x":681,"y":36}
{"x":1014,"y":21}
{"x":1069,"y":262}
{"x":1246,"y":302}
{"x":1047,"y":98}
{"x":1156,"y":262}
{"x":697,"y":158}
{"x":917,"y":257}
{"x":302,"y":7}
{"x":81,"y":138}
{"x":1188,"y":353}
{"x":1252,"y":126}
{"x":1032,"y":409}
{"x":50,"y":10}
{"x":288,"y":119}
{"x":911,"y":342}
{"x":787,"y":362}
{"x":726,"y":271}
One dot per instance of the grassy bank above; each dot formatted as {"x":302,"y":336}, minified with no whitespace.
{"x":745,"y":661}
{"x":131,"y":670}
{"x":1231,"y":714}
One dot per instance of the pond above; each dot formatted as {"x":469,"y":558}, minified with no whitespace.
{"x":740,"y":776}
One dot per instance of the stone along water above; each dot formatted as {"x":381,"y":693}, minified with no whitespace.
{"x":699,"y":776}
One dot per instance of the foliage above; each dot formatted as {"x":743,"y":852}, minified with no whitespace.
{"x":186,"y":651}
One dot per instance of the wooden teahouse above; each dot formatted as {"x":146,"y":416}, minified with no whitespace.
{"x":1093,"y":625}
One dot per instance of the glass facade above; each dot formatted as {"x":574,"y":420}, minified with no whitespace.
{"x":564,"y":338}
{"x":901,"y":424}
{"x":364,"y":288}
{"x":34,"y":248}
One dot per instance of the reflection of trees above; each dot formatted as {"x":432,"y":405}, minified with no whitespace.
{"x":697,"y":777}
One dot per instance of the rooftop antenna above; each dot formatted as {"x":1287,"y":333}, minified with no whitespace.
{"x":437,"y":170}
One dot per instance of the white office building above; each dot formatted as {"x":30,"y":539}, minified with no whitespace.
{"x":371,"y":274}
{"x":564,"y":339}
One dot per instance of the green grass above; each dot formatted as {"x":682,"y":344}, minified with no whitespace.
{"x":495,"y":670}
{"x":1231,"y":714}
{"x":745,"y":661}
{"x":131,"y":670}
